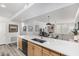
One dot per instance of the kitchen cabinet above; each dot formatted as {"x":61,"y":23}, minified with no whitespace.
{"x":34,"y":50}
{"x":30,"y":49}
{"x":37,"y":50}
{"x":19,"y":42}
{"x":45,"y":52}
{"x":52,"y":53}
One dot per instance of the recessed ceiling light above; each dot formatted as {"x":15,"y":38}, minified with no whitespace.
{"x":3,"y":6}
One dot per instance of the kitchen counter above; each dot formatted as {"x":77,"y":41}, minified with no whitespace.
{"x":65,"y":47}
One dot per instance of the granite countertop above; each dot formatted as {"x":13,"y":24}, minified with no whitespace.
{"x":65,"y":47}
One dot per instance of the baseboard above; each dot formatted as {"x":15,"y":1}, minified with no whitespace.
{"x":8,"y":43}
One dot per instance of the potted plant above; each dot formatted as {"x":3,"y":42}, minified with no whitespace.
{"x":75,"y":31}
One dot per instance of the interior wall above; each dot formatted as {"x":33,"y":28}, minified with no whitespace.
{"x":60,"y":27}
{"x":5,"y":36}
{"x":62,"y":18}
{"x":12,"y":37}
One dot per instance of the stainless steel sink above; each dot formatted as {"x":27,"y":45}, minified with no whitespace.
{"x":38,"y":40}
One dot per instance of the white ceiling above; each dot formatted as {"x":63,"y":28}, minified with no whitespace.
{"x":11,"y":9}
{"x":39,"y":9}
{"x":17,"y":12}
{"x":65,"y":14}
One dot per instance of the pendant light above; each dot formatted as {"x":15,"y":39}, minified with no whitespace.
{"x":48,"y":22}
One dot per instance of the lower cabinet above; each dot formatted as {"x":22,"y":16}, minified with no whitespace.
{"x":45,"y":52}
{"x":55,"y":54}
{"x":19,"y":42}
{"x":36,"y":50}
{"x":30,"y":49}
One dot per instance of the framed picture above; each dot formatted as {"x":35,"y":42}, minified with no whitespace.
{"x":30,"y":28}
{"x":13,"y":28}
{"x":24,"y":28}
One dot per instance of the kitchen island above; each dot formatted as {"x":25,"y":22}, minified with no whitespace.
{"x":59,"y":47}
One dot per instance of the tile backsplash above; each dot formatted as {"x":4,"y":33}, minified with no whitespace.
{"x":66,"y":37}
